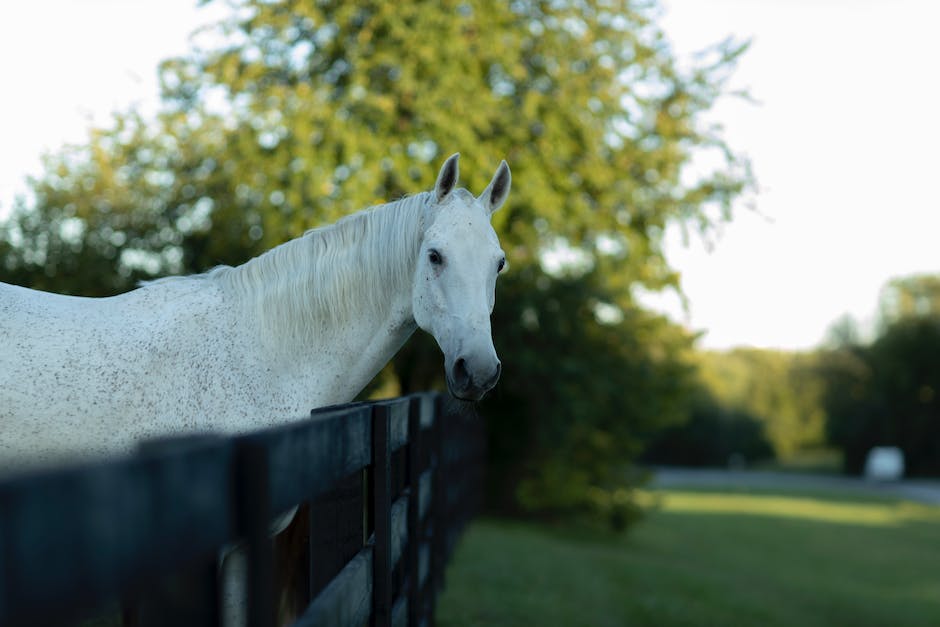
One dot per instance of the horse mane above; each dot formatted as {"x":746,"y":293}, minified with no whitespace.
{"x":299,"y":288}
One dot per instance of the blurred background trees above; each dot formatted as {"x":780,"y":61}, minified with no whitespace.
{"x":884,"y":392}
{"x":848,"y":396}
{"x":751,"y":405}
{"x":289,"y":115}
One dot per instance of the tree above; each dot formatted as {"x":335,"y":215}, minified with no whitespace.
{"x":883,"y":392}
{"x":581,"y":397}
{"x":141,"y":199}
{"x":780,"y":389}
{"x":714,"y":435}
{"x":295,"y":113}
{"x":910,"y":296}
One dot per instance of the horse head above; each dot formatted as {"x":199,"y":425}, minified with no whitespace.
{"x":455,"y":279}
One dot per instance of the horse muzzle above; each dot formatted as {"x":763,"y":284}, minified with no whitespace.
{"x":470,"y":377}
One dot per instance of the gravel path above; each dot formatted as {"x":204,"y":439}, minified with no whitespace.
{"x":922,"y":491}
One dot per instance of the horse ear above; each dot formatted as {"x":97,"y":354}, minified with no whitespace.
{"x":496,"y":192}
{"x":448,"y":177}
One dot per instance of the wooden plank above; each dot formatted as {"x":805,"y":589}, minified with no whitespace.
{"x":381,"y":508}
{"x":427,"y":401}
{"x":414,"y":518}
{"x":253,"y":517}
{"x":307,"y":458}
{"x":190,"y":594}
{"x":336,"y":530}
{"x":187,"y":597}
{"x":438,"y":506}
{"x":399,"y":472}
{"x":6,"y":612}
{"x":398,"y":529}
{"x":347,"y":599}
{"x":424,"y":563}
{"x":400,"y":612}
{"x":74,"y":538}
{"x":424,"y":493}
{"x":398,"y":421}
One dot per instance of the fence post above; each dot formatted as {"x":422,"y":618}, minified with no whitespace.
{"x":188,"y":596}
{"x":415,"y":604}
{"x":382,"y":512}
{"x":253,"y":505}
{"x":438,"y":502}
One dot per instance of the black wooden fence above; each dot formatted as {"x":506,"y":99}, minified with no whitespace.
{"x":388,"y":486}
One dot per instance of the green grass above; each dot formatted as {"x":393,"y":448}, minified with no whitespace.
{"x":708,"y":558}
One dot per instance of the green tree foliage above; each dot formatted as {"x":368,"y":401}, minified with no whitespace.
{"x":713,"y":435}
{"x":885,"y":393}
{"x":780,"y":389}
{"x":581,"y":395}
{"x":911,"y":296}
{"x":141,"y":199}
{"x":292,"y":114}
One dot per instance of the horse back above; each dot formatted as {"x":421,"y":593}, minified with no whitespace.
{"x":92,"y":376}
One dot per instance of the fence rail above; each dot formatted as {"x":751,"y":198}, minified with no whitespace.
{"x":386,"y":487}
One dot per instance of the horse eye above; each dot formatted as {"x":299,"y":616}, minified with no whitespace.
{"x":435,"y":257}
{"x":502,"y":264}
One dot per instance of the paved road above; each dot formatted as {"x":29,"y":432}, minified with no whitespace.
{"x":922,"y":491}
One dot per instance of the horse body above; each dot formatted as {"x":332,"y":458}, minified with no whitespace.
{"x":91,"y":377}
{"x":71,"y":368}
{"x":305,"y":325}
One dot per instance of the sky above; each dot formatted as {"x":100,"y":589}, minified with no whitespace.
{"x":844,"y":144}
{"x":844,"y":141}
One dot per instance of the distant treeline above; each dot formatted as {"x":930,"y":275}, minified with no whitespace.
{"x":850,"y":395}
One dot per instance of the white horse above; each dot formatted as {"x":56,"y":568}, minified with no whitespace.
{"x":305,"y":325}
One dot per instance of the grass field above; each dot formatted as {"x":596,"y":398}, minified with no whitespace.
{"x":708,"y":558}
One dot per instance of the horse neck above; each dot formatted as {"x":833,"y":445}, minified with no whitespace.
{"x":340,"y":290}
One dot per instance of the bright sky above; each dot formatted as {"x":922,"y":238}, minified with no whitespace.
{"x":845,"y":147}
{"x":844,"y":143}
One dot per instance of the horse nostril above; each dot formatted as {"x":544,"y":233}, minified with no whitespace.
{"x":495,"y":376}
{"x":461,"y":374}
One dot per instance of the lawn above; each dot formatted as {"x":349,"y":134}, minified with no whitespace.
{"x":708,"y":558}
